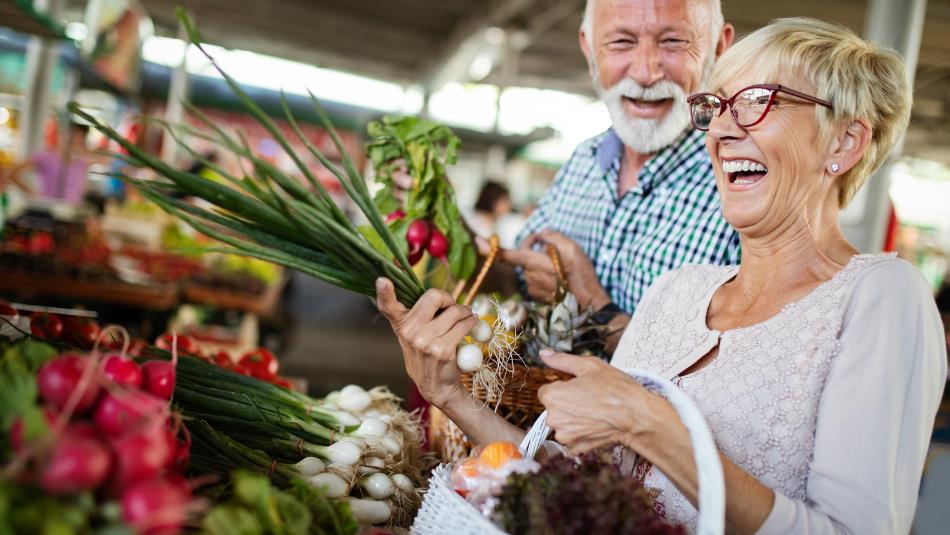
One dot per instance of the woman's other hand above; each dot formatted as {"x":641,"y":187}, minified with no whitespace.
{"x":428,"y":335}
{"x":602,"y":406}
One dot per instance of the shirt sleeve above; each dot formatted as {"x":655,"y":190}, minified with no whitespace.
{"x":876,"y":413}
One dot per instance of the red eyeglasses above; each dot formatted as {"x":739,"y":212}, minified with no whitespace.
{"x":749,"y":106}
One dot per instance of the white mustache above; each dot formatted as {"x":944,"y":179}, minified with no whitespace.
{"x":662,"y":90}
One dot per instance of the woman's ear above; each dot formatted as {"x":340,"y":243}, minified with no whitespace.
{"x":849,"y":147}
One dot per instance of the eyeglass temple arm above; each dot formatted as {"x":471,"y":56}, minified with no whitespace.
{"x":801,"y":95}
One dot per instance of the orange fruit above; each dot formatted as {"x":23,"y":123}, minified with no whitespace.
{"x":498,"y":454}
{"x":471,"y":467}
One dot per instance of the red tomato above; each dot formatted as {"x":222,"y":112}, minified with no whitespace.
{"x":186,"y":344}
{"x":282,"y":382}
{"x":6,"y":309}
{"x":223,"y":359}
{"x":44,"y":325}
{"x":260,"y":362}
{"x":80,"y":332}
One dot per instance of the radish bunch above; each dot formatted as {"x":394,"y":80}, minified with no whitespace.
{"x":422,"y":236}
{"x":112,"y":433}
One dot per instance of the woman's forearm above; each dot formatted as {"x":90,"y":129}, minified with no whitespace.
{"x":748,"y":501}
{"x":478,"y":422}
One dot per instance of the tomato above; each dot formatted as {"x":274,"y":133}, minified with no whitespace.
{"x":223,"y":359}
{"x":44,"y":325}
{"x":80,"y":332}
{"x":282,"y":382}
{"x":6,"y":309}
{"x":186,"y":344}
{"x":260,"y":362}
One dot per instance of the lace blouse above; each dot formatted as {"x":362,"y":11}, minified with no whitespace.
{"x":830,"y":402}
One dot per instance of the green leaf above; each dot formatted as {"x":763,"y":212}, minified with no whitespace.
{"x":295,"y":515}
{"x":228,"y":519}
{"x":251,"y":489}
{"x":36,"y":353}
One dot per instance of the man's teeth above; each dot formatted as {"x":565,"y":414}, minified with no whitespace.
{"x":735,"y":166}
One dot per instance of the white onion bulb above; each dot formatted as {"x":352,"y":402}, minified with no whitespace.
{"x":482,"y":305}
{"x":379,"y":486}
{"x":353,"y":398}
{"x":344,"y":452}
{"x":469,"y":357}
{"x":310,"y":466}
{"x":372,"y":427}
{"x":481,"y":332}
{"x":331,"y":484}
{"x":369,"y":511}
{"x":402,"y":481}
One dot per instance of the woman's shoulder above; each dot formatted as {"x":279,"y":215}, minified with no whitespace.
{"x":888,"y":277}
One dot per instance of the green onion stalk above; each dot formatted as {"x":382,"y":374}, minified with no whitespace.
{"x":268,"y":214}
{"x":367,"y":450}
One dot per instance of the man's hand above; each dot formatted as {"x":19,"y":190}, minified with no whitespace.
{"x":428,"y":335}
{"x":538,"y":270}
{"x":578,"y":269}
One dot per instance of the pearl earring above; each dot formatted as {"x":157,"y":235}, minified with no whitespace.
{"x":834,"y":168}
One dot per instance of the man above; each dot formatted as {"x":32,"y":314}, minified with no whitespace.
{"x":639,"y":199}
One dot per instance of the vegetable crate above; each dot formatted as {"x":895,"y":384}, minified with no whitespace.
{"x":445,"y":512}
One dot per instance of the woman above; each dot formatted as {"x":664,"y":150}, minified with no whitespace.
{"x":818,"y":369}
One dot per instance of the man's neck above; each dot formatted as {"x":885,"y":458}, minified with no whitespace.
{"x":630,"y":165}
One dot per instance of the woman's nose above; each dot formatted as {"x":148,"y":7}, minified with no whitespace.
{"x":723,"y":127}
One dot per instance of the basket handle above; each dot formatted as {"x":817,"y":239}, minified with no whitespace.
{"x":712,"y":489}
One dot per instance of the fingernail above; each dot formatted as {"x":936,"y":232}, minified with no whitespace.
{"x":380,"y":283}
{"x":546,"y":352}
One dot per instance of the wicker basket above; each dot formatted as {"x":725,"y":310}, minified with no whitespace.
{"x":518,"y":405}
{"x":444,"y":512}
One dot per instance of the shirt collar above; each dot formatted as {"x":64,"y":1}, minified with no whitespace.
{"x":609,"y":150}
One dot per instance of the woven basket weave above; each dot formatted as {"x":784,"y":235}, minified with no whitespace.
{"x":518,"y":405}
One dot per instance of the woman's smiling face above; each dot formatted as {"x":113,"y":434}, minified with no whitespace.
{"x":786,"y":144}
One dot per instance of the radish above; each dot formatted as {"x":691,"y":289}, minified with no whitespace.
{"x":417,"y":236}
{"x":116,"y":413}
{"x":158,"y":378}
{"x":438,"y":244}
{"x":122,"y":371}
{"x":154,"y":507}
{"x":415,"y":257}
{"x":141,"y":454}
{"x":395,"y":216}
{"x":181,"y":453}
{"x":77,"y":463}
{"x":58,"y":378}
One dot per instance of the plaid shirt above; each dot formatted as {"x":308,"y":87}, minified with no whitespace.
{"x":673,"y":217}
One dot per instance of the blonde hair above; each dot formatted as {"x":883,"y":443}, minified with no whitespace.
{"x":862,"y":81}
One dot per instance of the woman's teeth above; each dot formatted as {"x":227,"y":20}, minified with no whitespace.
{"x":738,"y":171}
{"x":735,"y":166}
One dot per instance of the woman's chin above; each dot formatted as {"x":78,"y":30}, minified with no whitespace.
{"x":743,"y":217}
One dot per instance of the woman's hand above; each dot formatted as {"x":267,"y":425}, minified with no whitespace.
{"x":603,"y":406}
{"x":428,"y":335}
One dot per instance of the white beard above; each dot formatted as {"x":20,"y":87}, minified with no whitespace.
{"x":646,"y":136}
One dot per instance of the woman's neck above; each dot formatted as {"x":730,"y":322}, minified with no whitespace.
{"x":797,"y":257}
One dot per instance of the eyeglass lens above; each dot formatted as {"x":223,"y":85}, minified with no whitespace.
{"x":747,"y":107}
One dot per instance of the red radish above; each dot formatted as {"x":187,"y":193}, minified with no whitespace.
{"x":438,"y":244}
{"x":282,"y":382}
{"x":81,"y":332}
{"x":117,"y":413}
{"x":58,"y":378}
{"x":180,"y":482}
{"x":395,"y":216}
{"x":77,"y":463}
{"x":417,"y":236}
{"x":415,"y":257}
{"x":155,"y":507}
{"x":142,"y":453}
{"x":158,"y":378}
{"x":121,"y":370}
{"x":181,"y":453}
{"x":260,"y":362}
{"x":48,"y":326}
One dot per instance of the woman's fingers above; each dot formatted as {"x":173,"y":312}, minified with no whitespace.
{"x":448,"y":318}
{"x":456,"y":334}
{"x":386,"y":301}
{"x":429,"y":305}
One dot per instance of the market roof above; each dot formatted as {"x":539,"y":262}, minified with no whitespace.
{"x":430,"y":41}
{"x":20,"y":15}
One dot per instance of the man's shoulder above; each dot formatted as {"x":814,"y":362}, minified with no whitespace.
{"x":587,"y":150}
